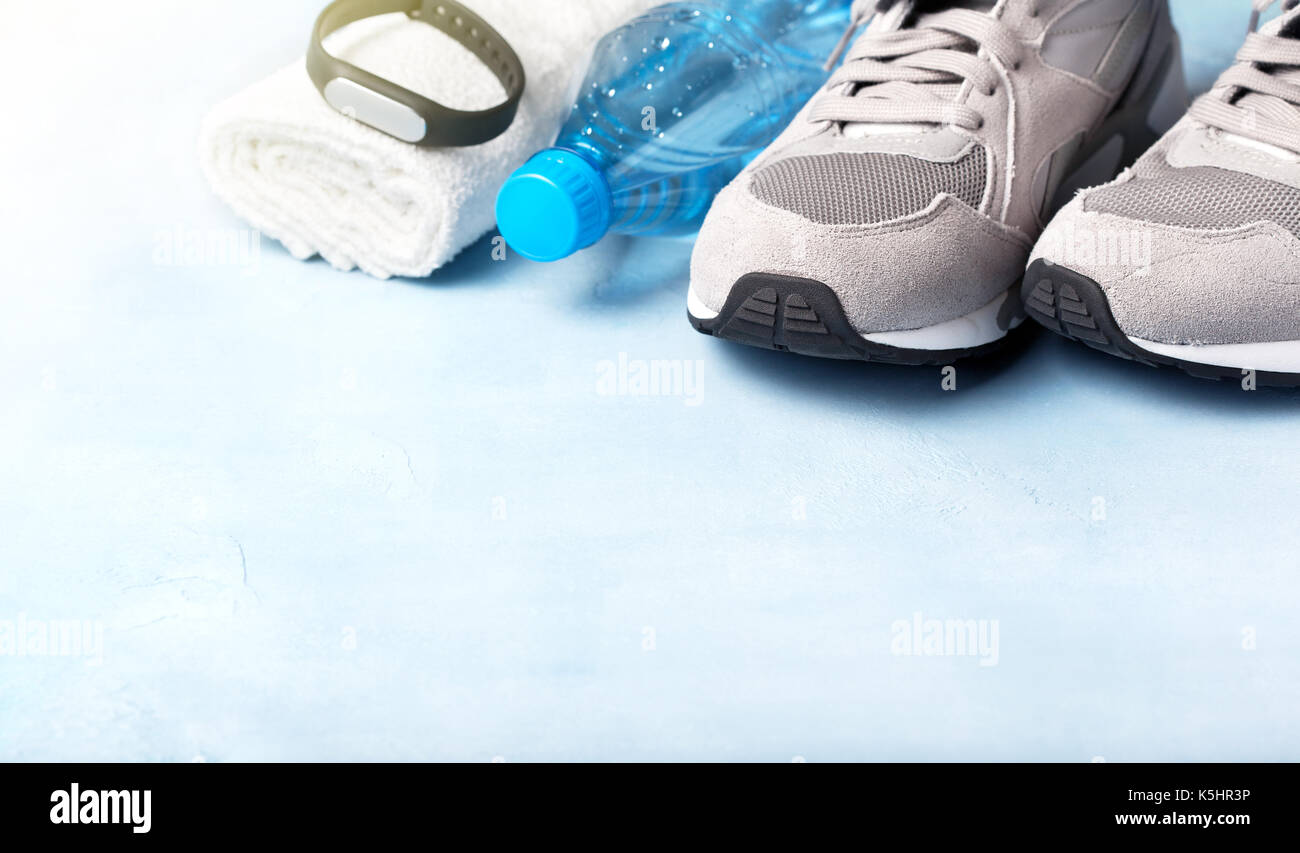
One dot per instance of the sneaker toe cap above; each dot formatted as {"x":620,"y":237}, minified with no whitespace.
{"x":915,"y":272}
{"x":1183,"y":286}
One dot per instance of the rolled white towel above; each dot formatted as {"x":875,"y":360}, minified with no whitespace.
{"x":321,"y":183}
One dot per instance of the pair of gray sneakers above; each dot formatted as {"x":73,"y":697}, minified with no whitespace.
{"x":936,"y":192}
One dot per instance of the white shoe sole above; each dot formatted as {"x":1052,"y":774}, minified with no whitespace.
{"x":1277,"y":357}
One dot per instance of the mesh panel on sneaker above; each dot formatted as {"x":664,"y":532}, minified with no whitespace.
{"x":862,"y":189}
{"x":1199,"y":197}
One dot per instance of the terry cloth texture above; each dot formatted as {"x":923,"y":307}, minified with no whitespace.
{"x":323,"y":184}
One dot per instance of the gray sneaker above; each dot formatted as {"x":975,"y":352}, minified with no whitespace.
{"x":1192,"y":259}
{"x":893,"y":219}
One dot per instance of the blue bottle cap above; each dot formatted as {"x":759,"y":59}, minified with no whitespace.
{"x":554,"y":205}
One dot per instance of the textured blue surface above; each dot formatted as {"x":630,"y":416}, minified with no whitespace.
{"x":324,"y":517}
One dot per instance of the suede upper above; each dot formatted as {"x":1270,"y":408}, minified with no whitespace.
{"x":1209,"y":221}
{"x":1178,"y":283}
{"x":914,"y":224}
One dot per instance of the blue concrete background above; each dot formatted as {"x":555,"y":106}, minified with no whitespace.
{"x":320,"y":516}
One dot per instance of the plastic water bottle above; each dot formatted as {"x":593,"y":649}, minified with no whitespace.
{"x":674,"y":104}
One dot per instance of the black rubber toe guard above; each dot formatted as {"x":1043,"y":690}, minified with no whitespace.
{"x":803,"y":316}
{"x":1075,"y":306}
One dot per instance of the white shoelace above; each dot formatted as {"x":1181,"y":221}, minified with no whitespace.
{"x":913,"y":76}
{"x":1259,"y":97}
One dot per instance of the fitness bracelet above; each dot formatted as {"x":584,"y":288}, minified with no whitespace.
{"x":397,"y":111}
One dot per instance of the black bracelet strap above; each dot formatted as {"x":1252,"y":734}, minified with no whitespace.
{"x":397,"y":111}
